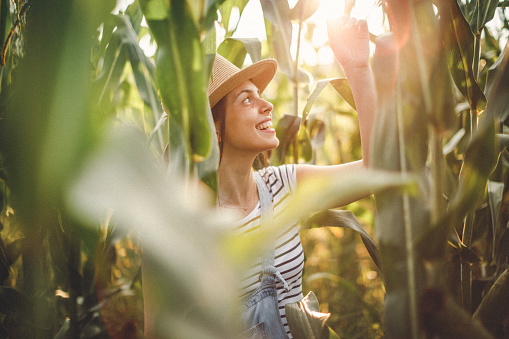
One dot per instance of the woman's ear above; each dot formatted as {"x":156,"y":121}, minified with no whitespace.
{"x":218,"y":133}
{"x":217,"y":125}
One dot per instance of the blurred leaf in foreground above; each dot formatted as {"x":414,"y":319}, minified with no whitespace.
{"x":179,"y":232}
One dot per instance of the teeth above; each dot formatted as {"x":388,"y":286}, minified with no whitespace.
{"x":265,"y":125}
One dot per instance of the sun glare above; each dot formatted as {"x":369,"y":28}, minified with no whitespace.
{"x":330,"y":9}
{"x":315,"y":51}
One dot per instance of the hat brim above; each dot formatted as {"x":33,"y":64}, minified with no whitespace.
{"x":260,"y":73}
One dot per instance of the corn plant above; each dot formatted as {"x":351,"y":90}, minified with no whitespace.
{"x":417,"y":233}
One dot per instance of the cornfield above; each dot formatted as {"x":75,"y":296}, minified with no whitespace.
{"x":94,"y":172}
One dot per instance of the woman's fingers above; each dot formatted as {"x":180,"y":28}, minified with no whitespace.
{"x":349,"y":40}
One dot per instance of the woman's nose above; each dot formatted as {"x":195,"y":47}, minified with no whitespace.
{"x":266,"y":107}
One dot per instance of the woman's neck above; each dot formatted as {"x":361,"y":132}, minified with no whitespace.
{"x":237,"y":187}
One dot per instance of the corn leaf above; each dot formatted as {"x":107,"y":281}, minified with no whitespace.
{"x":142,"y":67}
{"x":53,"y":127}
{"x":483,"y":13}
{"x":207,"y":169}
{"x":305,"y":148}
{"x":123,"y":177}
{"x":181,"y":77}
{"x":13,"y":302}
{"x":494,"y":307}
{"x":442,"y":318}
{"x":279,"y":34}
{"x":503,"y":248}
{"x":346,"y":219}
{"x":480,"y":159}
{"x":495,"y":194}
{"x":154,"y":10}
{"x":286,"y":129}
{"x":305,"y":320}
{"x":304,"y":9}
{"x":450,"y":146}
{"x":235,"y":50}
{"x":497,"y":85}
{"x":339,"y":84}
{"x":317,"y":130}
{"x":315,"y":193}
{"x":13,"y":251}
{"x":343,"y":88}
{"x":459,"y":41}
{"x":226,"y":10}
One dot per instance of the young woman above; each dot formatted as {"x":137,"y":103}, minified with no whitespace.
{"x":243,"y":121}
{"x":244,"y":129}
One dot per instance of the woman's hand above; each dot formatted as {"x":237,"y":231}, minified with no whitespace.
{"x":349,"y":40}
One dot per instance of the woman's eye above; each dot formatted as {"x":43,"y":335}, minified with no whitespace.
{"x":246,"y":101}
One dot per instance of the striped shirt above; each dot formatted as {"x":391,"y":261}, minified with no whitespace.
{"x":288,"y":255}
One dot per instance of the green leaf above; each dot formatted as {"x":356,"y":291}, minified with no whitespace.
{"x":108,"y":26}
{"x":304,"y":9}
{"x":504,"y":140}
{"x":305,"y":320}
{"x":317,"y":193}
{"x":497,"y":85}
{"x":317,"y":89}
{"x":495,"y":195}
{"x":503,"y":248}
{"x":13,"y":251}
{"x":483,"y":13}
{"x":4,"y":15}
{"x":122,"y":176}
{"x":343,"y":88}
{"x":181,"y":79}
{"x":226,"y":9}
{"x":286,"y":129}
{"x":115,"y":59}
{"x":494,"y":307}
{"x":442,"y":318}
{"x":453,"y":142}
{"x":13,"y":303}
{"x":154,"y":10}
{"x":207,"y":169}
{"x":305,"y":148}
{"x":209,"y":47}
{"x":279,"y":33}
{"x":53,"y":127}
{"x":346,"y":219}
{"x":235,"y":50}
{"x":143,"y":68}
{"x":467,"y":255}
{"x":440,"y":89}
{"x":317,"y":131}
{"x":459,"y":41}
{"x":479,"y":161}
{"x":135,"y":15}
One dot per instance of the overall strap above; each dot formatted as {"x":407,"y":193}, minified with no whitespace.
{"x":266,"y":214}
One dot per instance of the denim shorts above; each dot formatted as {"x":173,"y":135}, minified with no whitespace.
{"x":260,"y":312}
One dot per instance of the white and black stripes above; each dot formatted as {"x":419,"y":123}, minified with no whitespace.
{"x":288,"y":255}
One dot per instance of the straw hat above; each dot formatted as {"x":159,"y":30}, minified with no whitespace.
{"x":226,"y":76}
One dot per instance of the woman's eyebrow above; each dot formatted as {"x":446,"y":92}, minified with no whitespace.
{"x":248,"y":90}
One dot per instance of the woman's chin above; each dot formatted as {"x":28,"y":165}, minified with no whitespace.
{"x":274,"y":142}
{"x":273,"y":146}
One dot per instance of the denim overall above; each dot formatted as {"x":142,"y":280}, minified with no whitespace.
{"x":260,"y":310}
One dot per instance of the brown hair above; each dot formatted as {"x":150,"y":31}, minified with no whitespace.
{"x":219,"y":113}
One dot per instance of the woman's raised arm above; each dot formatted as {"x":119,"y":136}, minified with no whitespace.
{"x":349,"y":40}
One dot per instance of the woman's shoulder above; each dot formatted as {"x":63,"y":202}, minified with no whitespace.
{"x":285,"y":175}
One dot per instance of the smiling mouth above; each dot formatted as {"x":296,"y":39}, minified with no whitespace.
{"x":264,"y":126}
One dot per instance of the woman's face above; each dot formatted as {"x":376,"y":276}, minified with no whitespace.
{"x":248,"y":125}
